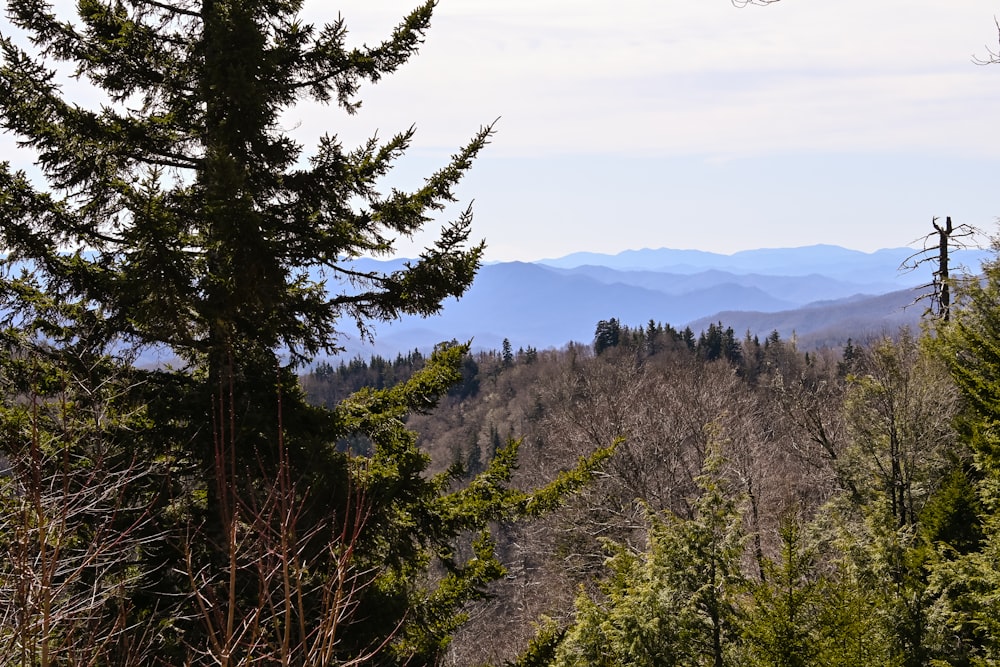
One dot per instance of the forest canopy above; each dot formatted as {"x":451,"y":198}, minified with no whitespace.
{"x":658,"y":498}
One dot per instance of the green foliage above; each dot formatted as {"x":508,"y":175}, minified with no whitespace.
{"x":967,"y":605}
{"x":74,"y":490}
{"x":413,"y":520}
{"x":953,"y":516}
{"x":208,"y":515}
{"x":964,"y":520}
{"x":719,"y":343}
{"x":195,"y":225}
{"x":820,"y":603}
{"x":714,"y":343}
{"x":969,"y":344}
{"x":507,"y":354}
{"x":675,"y":604}
{"x":887,"y":567}
{"x":328,"y":385}
{"x":541,"y":651}
{"x":784,"y":627}
{"x":607,"y":335}
{"x":180,"y":216}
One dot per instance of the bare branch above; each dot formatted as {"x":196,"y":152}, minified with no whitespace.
{"x":993,"y":55}
{"x":948,"y":237}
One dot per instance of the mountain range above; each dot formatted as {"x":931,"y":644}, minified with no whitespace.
{"x":821,"y":294}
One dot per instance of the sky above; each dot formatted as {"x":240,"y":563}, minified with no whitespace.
{"x":694,"y":124}
{"x":690,"y":124}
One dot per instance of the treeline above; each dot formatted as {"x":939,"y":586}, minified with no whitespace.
{"x":328,"y":384}
{"x":764,"y":506}
{"x":656,"y":504}
{"x":716,"y":342}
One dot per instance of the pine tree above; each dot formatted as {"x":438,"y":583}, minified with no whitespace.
{"x":607,"y":335}
{"x":964,"y":578}
{"x":784,"y":625}
{"x":968,"y":344}
{"x":182,"y":210}
{"x":180,"y":215}
{"x":507,"y":354}
{"x":687,"y":336}
{"x":674,"y":604}
{"x":710,"y":342}
{"x":652,"y":333}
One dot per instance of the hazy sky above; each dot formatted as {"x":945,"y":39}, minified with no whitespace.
{"x":693,"y":124}
{"x":690,"y":123}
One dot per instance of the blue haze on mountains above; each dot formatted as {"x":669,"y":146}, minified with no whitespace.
{"x":821,"y":294}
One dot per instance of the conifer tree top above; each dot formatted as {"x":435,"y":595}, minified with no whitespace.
{"x":181,"y":212}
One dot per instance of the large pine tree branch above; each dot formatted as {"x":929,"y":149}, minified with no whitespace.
{"x":330,"y":69}
{"x":63,"y":134}
{"x":170,"y":9}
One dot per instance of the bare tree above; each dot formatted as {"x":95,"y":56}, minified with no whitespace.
{"x":72,"y":525}
{"x":936,"y":249}
{"x":992,"y":54}
{"x":899,"y":411}
{"x":288,"y":585}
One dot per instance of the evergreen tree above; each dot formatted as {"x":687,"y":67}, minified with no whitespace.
{"x":731,"y":348}
{"x":411,"y":520}
{"x":688,"y":337}
{"x":182,"y":210}
{"x":507,"y":354}
{"x":675,"y":604}
{"x":968,"y":344}
{"x":608,"y":334}
{"x":964,"y":579}
{"x":530,"y":355}
{"x":710,"y":343}
{"x":180,"y":215}
{"x":812,"y":610}
{"x":783,"y":628}
{"x":652,"y":333}
{"x":718,"y":343}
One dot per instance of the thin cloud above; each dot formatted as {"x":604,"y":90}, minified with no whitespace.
{"x":884,"y":73}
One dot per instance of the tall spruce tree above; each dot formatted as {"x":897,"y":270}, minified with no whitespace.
{"x":179,"y":214}
{"x":182,"y":210}
{"x":967,"y":524}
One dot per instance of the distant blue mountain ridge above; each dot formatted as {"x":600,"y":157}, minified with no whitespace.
{"x":822,"y":294}
{"x":829,"y":260}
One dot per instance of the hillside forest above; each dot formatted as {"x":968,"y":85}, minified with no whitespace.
{"x":657,"y":497}
{"x":763,"y":505}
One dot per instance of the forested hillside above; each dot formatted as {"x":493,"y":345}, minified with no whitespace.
{"x":657,"y":497}
{"x":764,"y":505}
